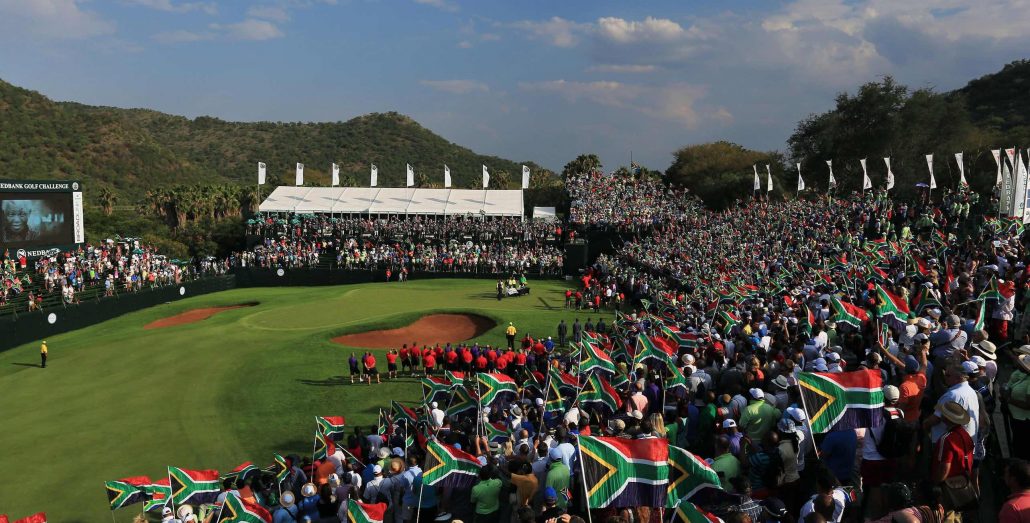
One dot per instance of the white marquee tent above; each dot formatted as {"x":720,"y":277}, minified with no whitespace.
{"x":394,"y":200}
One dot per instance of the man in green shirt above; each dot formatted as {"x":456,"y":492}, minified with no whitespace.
{"x":725,"y":464}
{"x":558,"y":477}
{"x":486,"y":496}
{"x":758,"y":417}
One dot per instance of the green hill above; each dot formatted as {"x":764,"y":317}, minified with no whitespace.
{"x":998,"y":100}
{"x":134,"y":150}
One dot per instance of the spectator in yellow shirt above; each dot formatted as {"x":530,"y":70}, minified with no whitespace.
{"x":42,"y":354}
{"x":510,"y":333}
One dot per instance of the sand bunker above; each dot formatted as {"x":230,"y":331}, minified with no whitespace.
{"x":428,"y":330}
{"x":192,"y":316}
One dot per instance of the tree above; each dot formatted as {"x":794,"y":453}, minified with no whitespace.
{"x":107,"y":199}
{"x":501,"y":179}
{"x":583,"y":164}
{"x":721,"y":172}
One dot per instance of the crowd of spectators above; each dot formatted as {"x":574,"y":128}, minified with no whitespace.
{"x":624,"y":203}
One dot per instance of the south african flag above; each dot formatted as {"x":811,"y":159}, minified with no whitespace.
{"x":564,"y":381}
{"x":496,"y":387}
{"x":687,"y":512}
{"x":126,"y":491}
{"x":324,"y":446}
{"x":332,"y":426}
{"x":241,"y":471}
{"x":648,"y":349}
{"x":892,"y":307}
{"x":457,"y":378}
{"x":158,"y":493}
{"x":842,"y":401}
{"x":598,"y":392}
{"x":595,"y":359}
{"x":405,"y":414}
{"x":282,"y":469}
{"x":924,"y":300}
{"x":981,"y":316}
{"x":555,"y":402}
{"x":193,"y":486}
{"x":847,"y":313}
{"x":677,"y":380}
{"x":683,"y":339}
{"x":448,"y":465}
{"x":237,"y":510}
{"x":729,"y":319}
{"x":358,"y":512}
{"x":462,"y":401}
{"x":687,"y":475}
{"x":497,"y":432}
{"x":807,"y":320}
{"x":435,"y":389}
{"x":991,"y":291}
{"x":623,"y":472}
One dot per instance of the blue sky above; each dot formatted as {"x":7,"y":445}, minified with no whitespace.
{"x":524,"y":79}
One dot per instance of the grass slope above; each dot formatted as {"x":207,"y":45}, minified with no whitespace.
{"x":116,"y":400}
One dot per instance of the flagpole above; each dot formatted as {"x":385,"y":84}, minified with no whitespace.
{"x":171,"y":493}
{"x":583,"y":473}
{"x":314,"y":445}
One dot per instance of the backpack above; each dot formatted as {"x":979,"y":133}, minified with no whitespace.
{"x":898,"y":435}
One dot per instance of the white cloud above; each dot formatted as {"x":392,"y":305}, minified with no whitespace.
{"x":557,"y":31}
{"x":250,"y":29}
{"x":622,"y":68}
{"x":675,"y":102}
{"x":268,"y":12}
{"x":443,"y":5}
{"x":183,"y":7}
{"x":52,"y":19}
{"x":181,"y":36}
{"x":456,"y":86}
{"x":626,"y":31}
{"x":464,"y":44}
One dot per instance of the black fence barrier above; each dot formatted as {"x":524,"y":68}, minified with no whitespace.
{"x":35,"y":326}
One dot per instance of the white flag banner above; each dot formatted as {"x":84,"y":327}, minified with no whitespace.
{"x":336,"y":175}
{"x":1019,"y":197}
{"x":768,"y":178}
{"x":801,"y":181}
{"x":300,"y":174}
{"x":446,"y":176}
{"x":833,"y":182}
{"x":411,"y":175}
{"x":1011,"y":153}
{"x":997,"y":161}
{"x":1005,"y":206}
{"x":890,"y":173}
{"x":375,"y":175}
{"x":525,"y":177}
{"x":486,"y":178}
{"x":866,"y":182}
{"x":1026,"y":192}
{"x":929,"y":164}
{"x":261,"y":173}
{"x":961,"y":171}
{"x":758,"y":181}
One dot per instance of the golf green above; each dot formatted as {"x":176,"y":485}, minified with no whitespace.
{"x":116,"y":400}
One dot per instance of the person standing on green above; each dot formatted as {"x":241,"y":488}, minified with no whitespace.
{"x":758,"y":417}
{"x":558,"y":477}
{"x":42,"y":355}
{"x":486,"y":496}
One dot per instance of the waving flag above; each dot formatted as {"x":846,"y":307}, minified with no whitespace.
{"x":127,"y":491}
{"x":687,"y":512}
{"x":924,"y":300}
{"x":448,"y":465}
{"x":892,"y":308}
{"x":807,"y":320}
{"x":457,"y":378}
{"x":677,"y":380}
{"x":554,"y":401}
{"x":435,"y":389}
{"x":358,"y":512}
{"x":497,"y":432}
{"x":991,"y":291}
{"x":241,"y":470}
{"x":594,"y":358}
{"x":237,"y":510}
{"x":684,"y":340}
{"x":497,"y":387}
{"x":324,"y":446}
{"x":687,"y":475}
{"x":158,"y":494}
{"x":564,"y":381}
{"x":648,"y":349}
{"x":599,"y":393}
{"x":281,"y":468}
{"x":981,"y":316}
{"x":729,"y":319}
{"x":847,"y":313}
{"x":405,"y":414}
{"x":842,"y":401}
{"x":332,"y":426}
{"x":623,"y":472}
{"x":193,"y":486}
{"x":462,"y":401}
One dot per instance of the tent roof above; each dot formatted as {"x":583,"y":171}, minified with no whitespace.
{"x":394,"y":200}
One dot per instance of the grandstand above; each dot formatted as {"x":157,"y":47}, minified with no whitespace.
{"x":375,"y":201}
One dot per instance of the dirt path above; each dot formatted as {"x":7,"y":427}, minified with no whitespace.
{"x":192,"y":316}
{"x":428,"y":330}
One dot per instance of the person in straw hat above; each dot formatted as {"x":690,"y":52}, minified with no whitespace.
{"x":953,"y":453}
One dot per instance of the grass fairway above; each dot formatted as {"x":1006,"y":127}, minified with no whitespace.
{"x":116,"y":400}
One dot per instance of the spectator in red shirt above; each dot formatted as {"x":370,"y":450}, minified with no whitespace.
{"x":391,"y":363}
{"x":414,"y":359}
{"x":429,"y":362}
{"x":450,"y":357}
{"x":466,"y":359}
{"x":481,"y":363}
{"x":1017,"y":477}
{"x":405,"y":360}
{"x":953,"y":453}
{"x":370,"y":367}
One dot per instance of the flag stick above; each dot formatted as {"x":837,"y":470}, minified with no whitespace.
{"x":808,"y":419}
{"x":112,"y":517}
{"x":583,"y":471}
{"x":171,"y":493}
{"x":314,"y":445}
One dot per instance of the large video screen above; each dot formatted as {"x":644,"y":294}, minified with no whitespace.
{"x":36,"y":219}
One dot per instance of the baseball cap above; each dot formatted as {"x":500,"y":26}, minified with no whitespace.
{"x":539,"y":402}
{"x":550,"y":494}
{"x":554,"y":454}
{"x":167,"y":511}
{"x":797,"y":414}
{"x":970,"y":368}
{"x":979,"y":361}
{"x":891,"y":393}
{"x":833,"y":356}
{"x":377,"y":469}
{"x":756,"y":393}
{"x":729,"y":423}
{"x":921,"y":337}
{"x":911,"y":364}
{"x":434,"y":404}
